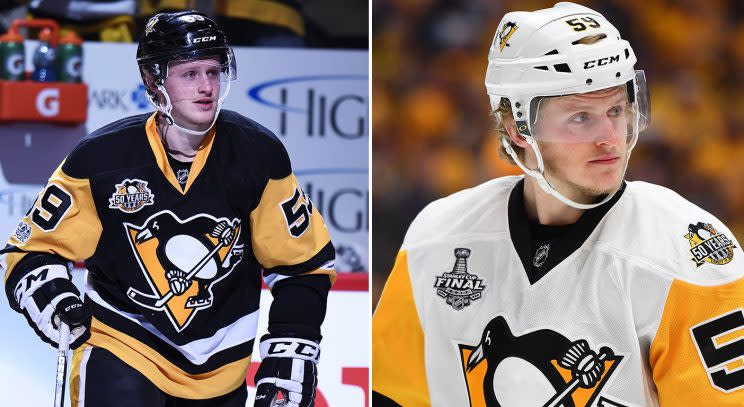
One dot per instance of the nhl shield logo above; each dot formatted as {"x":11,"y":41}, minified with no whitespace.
{"x":541,"y":255}
{"x":459,"y":288}
{"x":707,"y":245}
{"x":131,"y":195}
{"x":182,"y":176}
{"x":181,"y":260}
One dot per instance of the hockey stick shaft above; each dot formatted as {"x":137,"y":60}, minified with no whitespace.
{"x":558,"y":398}
{"x":159,"y":302}
{"x":204,"y":261}
{"x":62,"y":348}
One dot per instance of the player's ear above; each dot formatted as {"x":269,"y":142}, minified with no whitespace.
{"x":149,"y":82}
{"x":151,"y":88}
{"x":511,"y":128}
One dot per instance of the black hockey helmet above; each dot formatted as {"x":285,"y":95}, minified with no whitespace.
{"x":181,"y":35}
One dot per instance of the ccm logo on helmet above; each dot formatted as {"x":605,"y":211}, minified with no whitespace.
{"x":204,"y":39}
{"x":601,"y":61}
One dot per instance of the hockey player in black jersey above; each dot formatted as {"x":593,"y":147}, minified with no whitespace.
{"x":178,"y":216}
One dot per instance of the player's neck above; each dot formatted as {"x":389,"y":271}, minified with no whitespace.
{"x":545,"y":209}
{"x":179,"y":145}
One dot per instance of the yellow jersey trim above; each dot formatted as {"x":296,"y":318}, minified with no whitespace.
{"x":161,"y":156}
{"x":398,"y":365}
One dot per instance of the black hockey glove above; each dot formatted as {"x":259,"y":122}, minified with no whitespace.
{"x":287,"y":367}
{"x":46,"y":296}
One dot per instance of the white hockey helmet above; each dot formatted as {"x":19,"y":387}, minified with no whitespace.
{"x":540,"y":54}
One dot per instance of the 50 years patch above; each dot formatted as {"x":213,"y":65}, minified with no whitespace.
{"x":708,"y":245}
{"x":131,"y":195}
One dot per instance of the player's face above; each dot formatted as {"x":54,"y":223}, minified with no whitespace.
{"x":194,"y":88}
{"x":585,"y":156}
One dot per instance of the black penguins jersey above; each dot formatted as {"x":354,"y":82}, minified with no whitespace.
{"x":640,"y":303}
{"x":174,"y":271}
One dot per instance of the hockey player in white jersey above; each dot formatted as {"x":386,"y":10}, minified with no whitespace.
{"x":568,"y":286}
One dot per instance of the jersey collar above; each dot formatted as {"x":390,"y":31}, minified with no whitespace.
{"x":161,"y":156}
{"x":563,"y":240}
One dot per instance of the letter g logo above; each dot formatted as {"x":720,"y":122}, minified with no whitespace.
{"x":47,"y":102}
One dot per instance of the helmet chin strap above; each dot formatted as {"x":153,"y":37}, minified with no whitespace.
{"x":539,"y":174}
{"x":168,"y":108}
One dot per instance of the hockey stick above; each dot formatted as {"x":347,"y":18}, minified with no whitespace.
{"x":574,"y":383}
{"x":62,"y":348}
{"x":155,"y":302}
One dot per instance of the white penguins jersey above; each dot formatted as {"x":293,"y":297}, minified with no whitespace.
{"x":642,"y":306}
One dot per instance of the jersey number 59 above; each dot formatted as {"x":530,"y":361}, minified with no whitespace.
{"x":297,"y":211}
{"x":720,"y":343}
{"x":52,"y":207}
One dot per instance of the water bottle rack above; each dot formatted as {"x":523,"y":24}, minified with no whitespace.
{"x":63,"y":103}
{"x":46,"y":102}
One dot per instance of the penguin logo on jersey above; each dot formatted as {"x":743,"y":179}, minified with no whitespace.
{"x":131,"y":195}
{"x":538,"y":368}
{"x":459,"y":287}
{"x":182,"y":260}
{"x":506,"y":32}
{"x":707,"y":245}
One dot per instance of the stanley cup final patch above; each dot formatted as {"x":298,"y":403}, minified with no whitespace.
{"x":707,"y":245}
{"x":458,"y":287}
{"x":131,"y":195}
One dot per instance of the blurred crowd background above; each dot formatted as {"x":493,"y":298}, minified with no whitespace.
{"x":275,"y":23}
{"x":432,"y":133}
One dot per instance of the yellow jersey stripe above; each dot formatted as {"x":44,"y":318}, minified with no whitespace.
{"x":679,"y":370}
{"x":398,"y":366}
{"x":270,"y":236}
